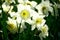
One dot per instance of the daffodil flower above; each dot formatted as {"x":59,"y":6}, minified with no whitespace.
{"x":24,"y":12}
{"x":5,"y":7}
{"x":38,"y":21}
{"x":44,"y":31}
{"x":44,"y":7}
{"x":12,"y":25}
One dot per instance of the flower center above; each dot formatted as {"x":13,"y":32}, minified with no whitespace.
{"x":25,"y":14}
{"x":8,"y":1}
{"x":44,"y":29}
{"x":43,"y":8}
{"x":11,"y":26}
{"x":28,"y":3}
{"x":38,"y":21}
{"x":14,"y":17}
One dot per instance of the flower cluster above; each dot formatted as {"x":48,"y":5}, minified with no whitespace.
{"x":27,"y":12}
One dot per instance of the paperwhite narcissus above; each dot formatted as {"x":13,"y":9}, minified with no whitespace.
{"x":44,"y":31}
{"x":5,"y":7}
{"x":44,"y":7}
{"x":12,"y":25}
{"x":24,"y":12}
{"x":38,"y":21}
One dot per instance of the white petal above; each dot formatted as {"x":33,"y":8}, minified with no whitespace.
{"x":29,"y":21}
{"x":33,"y":3}
{"x":33,"y":27}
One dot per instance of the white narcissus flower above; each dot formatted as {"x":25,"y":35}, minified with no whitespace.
{"x":5,"y":7}
{"x":44,"y":31}
{"x":12,"y":25}
{"x":24,"y":12}
{"x":44,"y":6}
{"x":38,"y":21}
